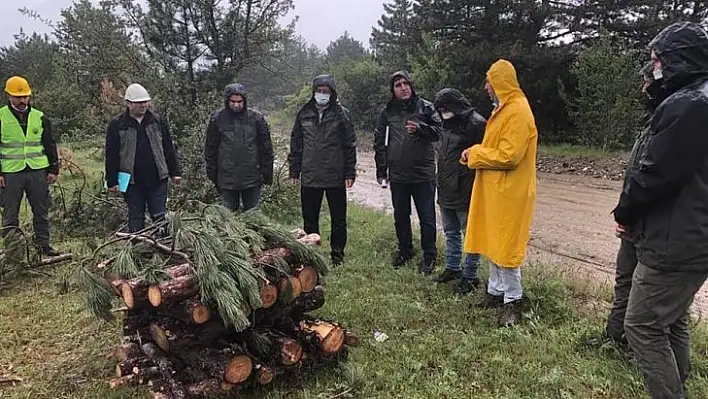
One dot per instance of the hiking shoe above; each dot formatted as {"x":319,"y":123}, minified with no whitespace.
{"x":490,"y":301}
{"x":427,"y":266}
{"x":48,"y":251}
{"x":466,"y":285}
{"x":511,"y":314}
{"x":447,"y":275}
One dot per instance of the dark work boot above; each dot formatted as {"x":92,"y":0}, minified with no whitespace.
{"x":466,"y":285}
{"x":48,"y":251}
{"x":447,"y":275}
{"x":490,"y":301}
{"x":427,"y":266}
{"x":401,"y":259}
{"x":511,"y":314}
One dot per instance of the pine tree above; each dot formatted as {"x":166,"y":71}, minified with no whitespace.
{"x":396,"y":35}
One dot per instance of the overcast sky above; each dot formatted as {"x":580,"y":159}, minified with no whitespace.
{"x":320,"y":22}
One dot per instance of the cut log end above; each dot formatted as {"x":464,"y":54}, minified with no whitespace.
{"x":264,"y":375}
{"x":154,"y":295}
{"x":200,"y":313}
{"x":351,"y":339}
{"x":160,"y":337}
{"x":330,"y":335}
{"x":307,"y":276}
{"x":291,"y":352}
{"x":291,"y":283}
{"x":127,"y":294}
{"x":269,"y":294}
{"x":238,"y":369}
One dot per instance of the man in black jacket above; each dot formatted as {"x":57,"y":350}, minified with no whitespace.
{"x":139,"y":144}
{"x":627,"y":254}
{"x":462,"y":128}
{"x":323,"y":160}
{"x":238,"y":150}
{"x":663,"y":206}
{"x":405,"y":158}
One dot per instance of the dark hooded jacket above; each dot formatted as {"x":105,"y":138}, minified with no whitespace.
{"x":407,"y":158}
{"x":238,"y":150}
{"x":465,"y":129}
{"x":664,"y":198}
{"x":323,"y":142}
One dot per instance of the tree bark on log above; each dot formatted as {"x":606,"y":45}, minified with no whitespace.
{"x":289,"y":288}
{"x":166,"y":370}
{"x":209,"y":387}
{"x":180,"y":270}
{"x":311,"y":239}
{"x":171,"y":291}
{"x":307,"y":275}
{"x":271,"y":257}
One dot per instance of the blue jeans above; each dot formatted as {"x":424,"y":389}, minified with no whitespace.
{"x":454,"y":226}
{"x":233,"y":198}
{"x":423,"y":195}
{"x":138,"y":197}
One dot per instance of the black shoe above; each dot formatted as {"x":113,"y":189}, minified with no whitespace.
{"x":427,"y":266}
{"x":466,"y":285}
{"x":337,"y":258}
{"x":511,"y":314}
{"x":447,"y":275}
{"x":401,"y":259}
{"x":49,"y":251}
{"x":490,"y":301}
{"x":607,"y":339}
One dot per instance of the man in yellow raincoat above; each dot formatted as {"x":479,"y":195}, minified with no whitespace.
{"x":504,"y":190}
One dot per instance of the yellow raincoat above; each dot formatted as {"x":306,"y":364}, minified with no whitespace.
{"x":504,"y":190}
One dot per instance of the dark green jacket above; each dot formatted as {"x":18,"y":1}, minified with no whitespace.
{"x":465,"y":129}
{"x":238,"y":150}
{"x":406,"y":158}
{"x":323,"y":142}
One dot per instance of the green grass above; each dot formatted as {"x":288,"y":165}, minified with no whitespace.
{"x":439,"y":347}
{"x":577,"y":151}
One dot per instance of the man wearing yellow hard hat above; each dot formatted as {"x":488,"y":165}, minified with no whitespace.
{"x":29,"y":162}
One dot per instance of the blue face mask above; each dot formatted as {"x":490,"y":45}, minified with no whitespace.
{"x":321,"y":98}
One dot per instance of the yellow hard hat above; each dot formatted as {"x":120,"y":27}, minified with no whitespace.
{"x":17,"y":86}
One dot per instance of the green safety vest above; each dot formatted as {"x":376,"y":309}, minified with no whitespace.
{"x":17,"y":149}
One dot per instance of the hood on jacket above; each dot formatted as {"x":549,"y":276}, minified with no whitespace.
{"x":682,"y":48}
{"x":401,"y":74}
{"x":325,"y":80}
{"x":453,"y":100}
{"x":235,"y":88}
{"x":502,"y":77}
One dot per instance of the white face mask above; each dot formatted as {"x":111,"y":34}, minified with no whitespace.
{"x":321,"y":98}
{"x":447,"y":115}
{"x":658,"y":74}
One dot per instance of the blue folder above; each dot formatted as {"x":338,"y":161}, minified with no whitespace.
{"x":123,"y":181}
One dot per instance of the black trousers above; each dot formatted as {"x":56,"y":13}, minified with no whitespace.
{"x":311,"y":201}
{"x":626,"y":263}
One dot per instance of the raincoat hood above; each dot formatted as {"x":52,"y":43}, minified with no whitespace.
{"x":235,"y":88}
{"x":682,"y":48}
{"x":402,"y":74}
{"x":453,"y":100}
{"x":325,"y":80}
{"x":502,"y":78}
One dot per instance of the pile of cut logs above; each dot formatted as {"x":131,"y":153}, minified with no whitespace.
{"x":180,"y":348}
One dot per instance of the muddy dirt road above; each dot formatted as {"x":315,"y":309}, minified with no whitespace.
{"x":587,"y":246}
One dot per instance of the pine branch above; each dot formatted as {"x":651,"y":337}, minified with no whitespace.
{"x":165,"y":249}
{"x":99,"y":295}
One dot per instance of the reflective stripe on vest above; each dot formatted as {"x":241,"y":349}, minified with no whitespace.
{"x":17,"y":149}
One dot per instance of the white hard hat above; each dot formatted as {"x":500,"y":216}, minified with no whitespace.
{"x":136,"y":93}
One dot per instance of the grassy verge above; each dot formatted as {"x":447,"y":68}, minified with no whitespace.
{"x":439,"y":347}
{"x":577,"y":151}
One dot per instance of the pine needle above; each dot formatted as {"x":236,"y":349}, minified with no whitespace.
{"x":277,"y":235}
{"x":125,"y":264}
{"x":99,"y":295}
